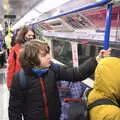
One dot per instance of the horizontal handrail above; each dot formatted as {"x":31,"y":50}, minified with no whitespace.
{"x":92,"y":5}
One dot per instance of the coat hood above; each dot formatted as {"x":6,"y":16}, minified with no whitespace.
{"x":107,"y":80}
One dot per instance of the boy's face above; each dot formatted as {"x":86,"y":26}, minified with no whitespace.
{"x":45,"y":61}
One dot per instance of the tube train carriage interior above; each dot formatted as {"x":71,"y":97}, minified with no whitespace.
{"x":77,"y":33}
{"x":74,"y":29}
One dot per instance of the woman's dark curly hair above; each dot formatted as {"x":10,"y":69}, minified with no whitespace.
{"x":29,"y":55}
{"x":21,"y":34}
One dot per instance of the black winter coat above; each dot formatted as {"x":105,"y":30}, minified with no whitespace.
{"x":40,"y":98}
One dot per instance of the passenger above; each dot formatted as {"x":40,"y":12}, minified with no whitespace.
{"x":2,"y":51}
{"x":107,"y":86}
{"x":25,"y":34}
{"x":8,"y":36}
{"x":13,"y":39}
{"x":40,"y":99}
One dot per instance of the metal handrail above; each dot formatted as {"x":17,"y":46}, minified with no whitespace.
{"x":92,"y":5}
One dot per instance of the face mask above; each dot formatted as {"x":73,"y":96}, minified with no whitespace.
{"x":28,"y":39}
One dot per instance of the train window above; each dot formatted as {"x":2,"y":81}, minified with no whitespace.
{"x":62,"y":51}
{"x":115,"y":53}
{"x":84,"y":52}
{"x":92,"y":50}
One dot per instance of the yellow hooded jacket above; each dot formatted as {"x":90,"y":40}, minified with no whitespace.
{"x":107,"y":85}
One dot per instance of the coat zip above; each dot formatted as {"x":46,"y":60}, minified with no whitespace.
{"x":44,"y":97}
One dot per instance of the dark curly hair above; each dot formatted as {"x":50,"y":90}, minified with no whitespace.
{"x":29,"y":54}
{"x":21,"y":34}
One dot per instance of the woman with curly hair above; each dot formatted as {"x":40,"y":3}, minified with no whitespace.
{"x":24,"y":34}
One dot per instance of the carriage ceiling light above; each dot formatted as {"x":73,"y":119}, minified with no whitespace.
{"x":44,"y":6}
{"x":47,"y":5}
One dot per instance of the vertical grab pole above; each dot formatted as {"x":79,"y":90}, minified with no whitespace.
{"x":107,"y":26}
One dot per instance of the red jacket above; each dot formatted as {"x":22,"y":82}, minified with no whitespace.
{"x":13,"y":63}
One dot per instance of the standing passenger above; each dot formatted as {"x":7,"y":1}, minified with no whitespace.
{"x":40,"y":99}
{"x":25,"y":34}
{"x":107,"y":86}
{"x":8,"y":36}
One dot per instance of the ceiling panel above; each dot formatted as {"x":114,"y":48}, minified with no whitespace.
{"x":16,"y":7}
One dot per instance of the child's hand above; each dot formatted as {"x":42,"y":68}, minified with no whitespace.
{"x":103,"y":53}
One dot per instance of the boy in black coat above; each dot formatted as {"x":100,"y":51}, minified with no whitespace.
{"x":40,"y":99}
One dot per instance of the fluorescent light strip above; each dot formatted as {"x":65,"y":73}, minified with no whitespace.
{"x":44,"y":6}
{"x":48,"y":5}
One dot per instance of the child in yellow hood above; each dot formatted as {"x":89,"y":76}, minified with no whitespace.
{"x":107,"y":86}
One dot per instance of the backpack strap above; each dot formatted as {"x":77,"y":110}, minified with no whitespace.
{"x":22,"y":79}
{"x":101,"y":102}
